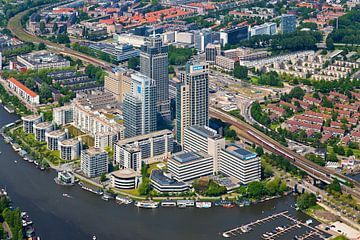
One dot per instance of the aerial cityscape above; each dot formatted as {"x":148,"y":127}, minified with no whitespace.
{"x":179,"y":119}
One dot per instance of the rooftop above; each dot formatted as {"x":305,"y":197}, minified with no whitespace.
{"x":22,"y":87}
{"x":126,"y":173}
{"x":240,"y":152}
{"x":43,"y":125}
{"x":159,"y":177}
{"x":31,"y":117}
{"x":56,"y":133}
{"x":70,"y":142}
{"x":205,"y":132}
{"x":187,"y":157}
{"x":94,"y":151}
{"x":42,"y":57}
{"x":145,"y":136}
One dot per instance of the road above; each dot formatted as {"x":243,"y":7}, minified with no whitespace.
{"x":14,"y":25}
{"x":248,"y":132}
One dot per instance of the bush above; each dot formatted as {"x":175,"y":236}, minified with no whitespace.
{"x":306,"y":200}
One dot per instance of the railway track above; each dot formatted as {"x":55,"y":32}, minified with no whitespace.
{"x":259,"y":138}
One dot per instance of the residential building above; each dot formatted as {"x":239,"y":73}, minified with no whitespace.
{"x":23,"y":92}
{"x":211,"y":51}
{"x":125,"y":179}
{"x":140,"y":106}
{"x":29,"y":122}
{"x":54,"y":137}
{"x":192,"y":105}
{"x":288,"y":23}
{"x":184,"y":37}
{"x":63,"y":115}
{"x":41,"y":60}
{"x":201,"y":39}
{"x":129,"y":156}
{"x":162,"y":182}
{"x":236,"y":162}
{"x":94,"y":162}
{"x":225,"y":63}
{"x":155,"y":147}
{"x":69,"y":149}
{"x":154,"y":64}
{"x":204,"y":139}
{"x":40,"y":130}
{"x":125,"y":38}
{"x":118,"y":83}
{"x":186,"y":166}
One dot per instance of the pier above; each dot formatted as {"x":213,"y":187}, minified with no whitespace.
{"x":279,"y":231}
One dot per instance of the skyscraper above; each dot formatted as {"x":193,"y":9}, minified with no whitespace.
{"x":192,"y":101}
{"x":140,"y":106}
{"x":288,"y":23}
{"x":154,"y":64}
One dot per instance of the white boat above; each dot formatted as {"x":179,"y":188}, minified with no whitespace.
{"x":124,"y":200}
{"x":105,"y":197}
{"x":185,"y":203}
{"x":202,"y":204}
{"x":146,"y":204}
{"x":66,"y":195}
{"x":168,"y":204}
{"x":94,"y":237}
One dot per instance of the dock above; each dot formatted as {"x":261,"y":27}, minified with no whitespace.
{"x":248,"y":227}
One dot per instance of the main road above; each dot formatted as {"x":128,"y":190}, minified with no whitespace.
{"x":16,"y":28}
{"x":248,"y":132}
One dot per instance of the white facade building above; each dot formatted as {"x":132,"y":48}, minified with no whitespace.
{"x":54,"y":137}
{"x":94,"y":162}
{"x":40,"y":130}
{"x":63,"y":115}
{"x":70,"y":149}
{"x":239,"y":163}
{"x":29,"y":122}
{"x":125,"y":179}
{"x":186,"y":166}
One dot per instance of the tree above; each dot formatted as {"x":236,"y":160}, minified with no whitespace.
{"x":259,"y":150}
{"x":103,"y":177}
{"x":306,"y":200}
{"x":334,"y":187}
{"x":349,"y":153}
{"x":144,"y":188}
{"x":55,"y":28}
{"x":297,"y":92}
{"x":42,"y":27}
{"x":256,"y":189}
{"x":134,"y":62}
{"x":240,"y":71}
{"x":41,"y":46}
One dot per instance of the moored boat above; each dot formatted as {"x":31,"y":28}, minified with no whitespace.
{"x":146,"y":204}
{"x":203,"y":204}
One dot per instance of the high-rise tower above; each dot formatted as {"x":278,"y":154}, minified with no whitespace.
{"x":140,"y":106}
{"x":154,"y":63}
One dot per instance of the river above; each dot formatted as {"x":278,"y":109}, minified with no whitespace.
{"x":85,"y":214}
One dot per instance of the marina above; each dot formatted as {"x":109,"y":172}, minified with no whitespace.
{"x":288,"y":227}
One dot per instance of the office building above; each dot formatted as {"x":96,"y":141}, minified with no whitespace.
{"x":234,"y":35}
{"x":184,"y":37}
{"x":25,"y":94}
{"x":204,"y":139}
{"x":264,"y":29}
{"x":186,"y":166}
{"x":40,"y":130}
{"x":201,"y":39}
{"x":211,"y":51}
{"x":29,"y":122}
{"x":154,"y":147}
{"x":42,"y":60}
{"x":162,"y":182}
{"x":54,"y":137}
{"x":288,"y":23}
{"x":154,"y":64}
{"x":118,"y":83}
{"x":63,"y":115}
{"x":125,"y":179}
{"x":240,"y":164}
{"x":69,"y":149}
{"x":140,"y":106}
{"x":192,"y":105}
{"x":94,"y":162}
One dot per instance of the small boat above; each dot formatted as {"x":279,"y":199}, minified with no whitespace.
{"x":105,"y":197}
{"x":66,"y":195}
{"x":125,"y":200}
{"x":146,"y":204}
{"x":229,"y":205}
{"x":168,"y":203}
{"x":94,"y":237}
{"x":202,"y":204}
{"x":15,"y":161}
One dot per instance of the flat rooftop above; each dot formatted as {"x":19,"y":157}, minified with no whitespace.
{"x":187,"y":157}
{"x":126,"y":173}
{"x":240,"y":152}
{"x":159,"y":177}
{"x":56,"y":133}
{"x":145,"y":136}
{"x":30,"y":117}
{"x":43,"y":125}
{"x":42,"y":57}
{"x":70,"y":142}
{"x":205,"y":132}
{"x":94,"y":151}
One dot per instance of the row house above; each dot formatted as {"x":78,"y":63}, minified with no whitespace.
{"x":334,"y":131}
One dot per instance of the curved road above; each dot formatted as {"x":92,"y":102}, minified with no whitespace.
{"x":14,"y":25}
{"x":250,"y":133}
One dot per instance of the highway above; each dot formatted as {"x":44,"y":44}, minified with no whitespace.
{"x":14,"y":25}
{"x":248,"y":132}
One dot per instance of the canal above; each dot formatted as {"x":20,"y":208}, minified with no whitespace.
{"x":85,"y":214}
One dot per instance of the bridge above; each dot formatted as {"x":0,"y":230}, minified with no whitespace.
{"x":317,"y":172}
